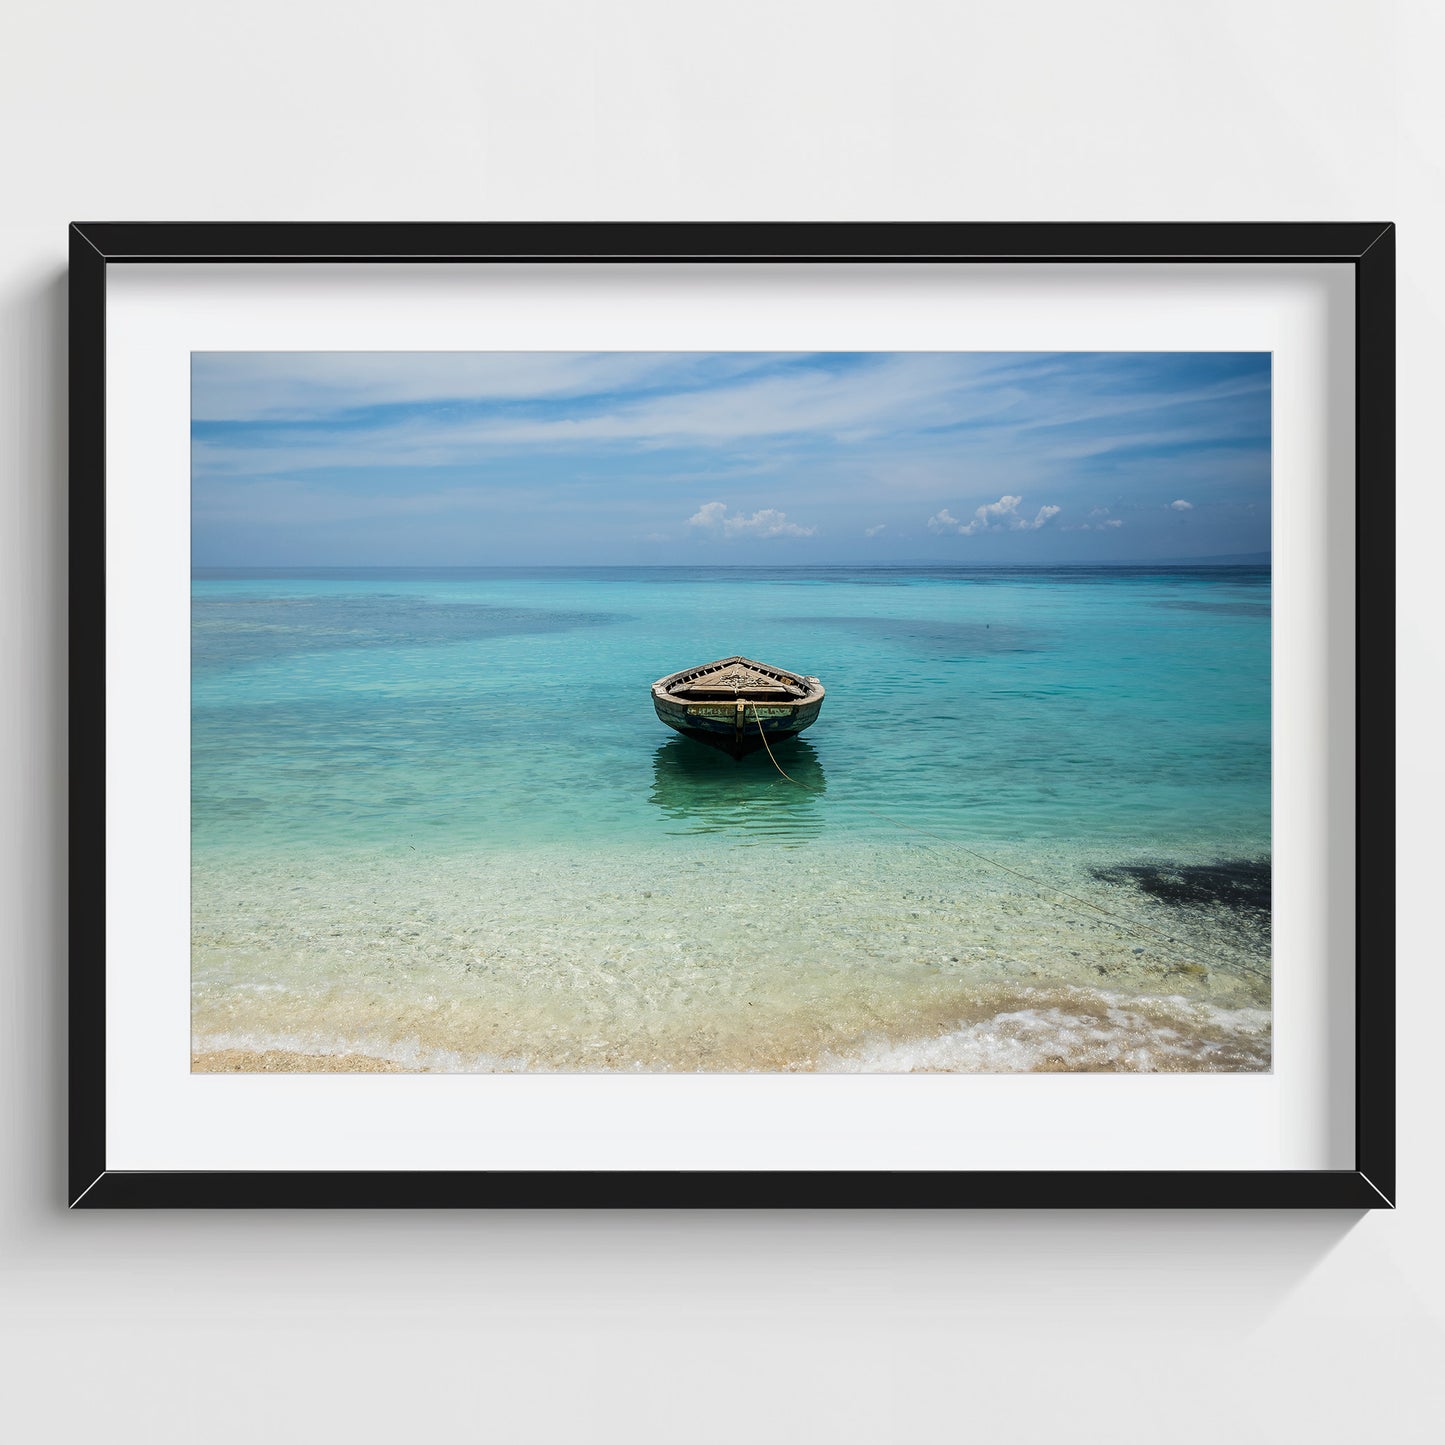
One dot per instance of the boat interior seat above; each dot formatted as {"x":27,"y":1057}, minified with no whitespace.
{"x":746,"y":694}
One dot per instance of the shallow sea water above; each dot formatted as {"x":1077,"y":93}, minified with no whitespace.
{"x":435,"y":821}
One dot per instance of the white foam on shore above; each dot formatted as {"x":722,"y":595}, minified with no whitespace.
{"x":1087,"y":1032}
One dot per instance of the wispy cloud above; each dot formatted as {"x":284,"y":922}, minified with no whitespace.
{"x":876,"y":529}
{"x":1099,"y":521}
{"x":1182,"y":506}
{"x":312,"y":385}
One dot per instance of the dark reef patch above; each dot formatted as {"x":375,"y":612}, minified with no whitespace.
{"x":953,"y":639}
{"x":1240,"y":885}
{"x":235,"y":630}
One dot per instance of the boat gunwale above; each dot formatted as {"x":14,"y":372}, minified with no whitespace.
{"x":813,"y":688}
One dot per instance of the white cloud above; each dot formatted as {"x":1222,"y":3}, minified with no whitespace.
{"x":983,"y":516}
{"x":874,"y":531}
{"x":768,"y":522}
{"x":1182,"y":506}
{"x":999,"y":516}
{"x":710,"y":514}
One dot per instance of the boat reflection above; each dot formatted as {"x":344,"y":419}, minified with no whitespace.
{"x":712,"y":793}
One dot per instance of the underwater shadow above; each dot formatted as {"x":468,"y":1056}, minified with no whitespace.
{"x":710,"y":792}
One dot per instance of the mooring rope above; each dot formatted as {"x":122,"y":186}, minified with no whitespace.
{"x":1047,"y":891}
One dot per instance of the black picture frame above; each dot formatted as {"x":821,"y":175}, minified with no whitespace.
{"x":1369,"y":247}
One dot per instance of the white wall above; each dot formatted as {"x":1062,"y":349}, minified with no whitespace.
{"x":754,"y":1328}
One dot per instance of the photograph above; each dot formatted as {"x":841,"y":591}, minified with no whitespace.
{"x":731,"y":712}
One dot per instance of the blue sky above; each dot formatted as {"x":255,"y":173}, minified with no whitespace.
{"x":529,"y":458}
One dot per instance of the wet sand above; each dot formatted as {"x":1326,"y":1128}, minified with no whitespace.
{"x":283,"y":1061}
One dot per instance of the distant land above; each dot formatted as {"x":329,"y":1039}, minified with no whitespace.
{"x":1219,"y":559}
{"x":1225,"y":559}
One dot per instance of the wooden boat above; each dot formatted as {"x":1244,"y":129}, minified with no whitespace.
{"x":734,"y":702}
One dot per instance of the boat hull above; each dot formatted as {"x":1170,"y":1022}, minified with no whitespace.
{"x":734,"y":731}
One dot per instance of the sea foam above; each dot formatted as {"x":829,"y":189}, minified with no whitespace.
{"x":1083,"y":1031}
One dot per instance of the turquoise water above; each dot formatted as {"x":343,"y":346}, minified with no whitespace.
{"x":401,"y":777}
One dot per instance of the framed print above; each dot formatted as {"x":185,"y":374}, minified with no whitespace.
{"x":682,"y":715}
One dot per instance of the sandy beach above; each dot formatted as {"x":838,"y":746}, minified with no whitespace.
{"x":283,"y":1061}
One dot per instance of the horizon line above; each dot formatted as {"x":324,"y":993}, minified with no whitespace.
{"x":1221,"y":559}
